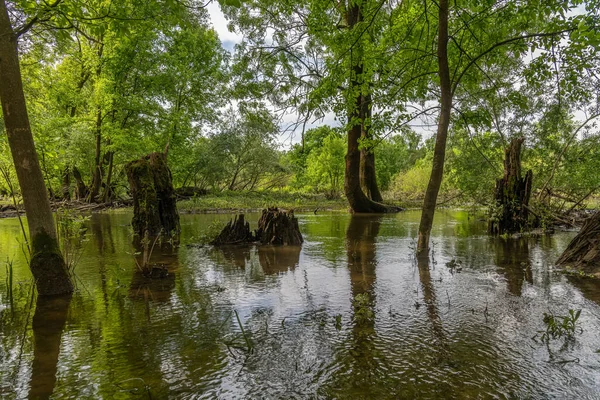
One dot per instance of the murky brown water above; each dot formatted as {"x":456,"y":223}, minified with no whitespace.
{"x":351,"y":314}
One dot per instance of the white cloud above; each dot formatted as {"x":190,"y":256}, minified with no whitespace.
{"x":219,"y":23}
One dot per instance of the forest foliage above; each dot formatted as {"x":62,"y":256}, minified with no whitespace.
{"x":110,"y":83}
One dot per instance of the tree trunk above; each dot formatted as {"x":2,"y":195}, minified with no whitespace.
{"x":368,"y":176}
{"x":107,"y":195}
{"x":439,"y":152}
{"x":66,"y":184}
{"x":512,"y":194}
{"x":359,"y":202}
{"x":97,"y":173}
{"x":583,"y":253}
{"x":82,"y":189}
{"x":47,"y":263}
{"x":154,"y":200}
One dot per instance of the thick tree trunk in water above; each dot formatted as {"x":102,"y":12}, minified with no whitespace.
{"x":66,"y":184}
{"x":439,"y":152}
{"x":583,"y":253}
{"x":82,"y":189}
{"x":154,"y":200}
{"x":47,"y":263}
{"x":512,"y":194}
{"x":359,"y":202}
{"x":368,"y":176}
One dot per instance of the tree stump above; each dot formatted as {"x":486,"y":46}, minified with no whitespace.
{"x":154,"y":200}
{"x":512,"y":194}
{"x":583,"y":253}
{"x":278,"y":227}
{"x":235,"y":232}
{"x":274,"y":227}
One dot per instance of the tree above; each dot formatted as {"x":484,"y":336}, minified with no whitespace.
{"x":326,"y":165}
{"x":47,"y":263}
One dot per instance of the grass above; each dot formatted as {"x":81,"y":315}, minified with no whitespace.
{"x":233,"y":201}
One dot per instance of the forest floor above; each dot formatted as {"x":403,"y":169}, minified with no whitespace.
{"x":227,"y":202}
{"x":221,"y":202}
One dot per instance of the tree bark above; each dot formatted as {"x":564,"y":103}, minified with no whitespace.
{"x":97,"y":173}
{"x":154,"y":199}
{"x":512,"y":194}
{"x":439,"y":152}
{"x":107,"y":195}
{"x":66,"y":184}
{"x":47,"y":264}
{"x":583,"y":253}
{"x":368,"y":176}
{"x":82,"y":189}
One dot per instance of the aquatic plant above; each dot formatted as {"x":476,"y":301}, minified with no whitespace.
{"x":9,"y":279}
{"x":71,"y":235}
{"x":363,"y":312}
{"x":558,"y":326}
{"x":338,"y":322}
{"x":146,"y":253}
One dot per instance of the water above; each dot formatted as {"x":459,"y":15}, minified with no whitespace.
{"x":350,"y":314}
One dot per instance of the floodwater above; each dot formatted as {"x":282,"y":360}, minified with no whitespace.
{"x":351,"y":314}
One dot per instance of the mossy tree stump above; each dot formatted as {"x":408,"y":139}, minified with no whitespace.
{"x":512,"y":195}
{"x":154,"y":200}
{"x":583,"y":253}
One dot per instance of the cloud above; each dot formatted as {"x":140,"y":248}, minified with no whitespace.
{"x":219,"y":23}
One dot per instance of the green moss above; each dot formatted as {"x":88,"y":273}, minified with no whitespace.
{"x":42,"y":242}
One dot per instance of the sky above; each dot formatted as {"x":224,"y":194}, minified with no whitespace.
{"x":229,"y":40}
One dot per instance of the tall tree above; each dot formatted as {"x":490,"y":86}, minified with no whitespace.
{"x":47,"y":263}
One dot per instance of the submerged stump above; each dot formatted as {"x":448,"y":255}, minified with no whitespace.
{"x":274,"y":227}
{"x":154,"y":200}
{"x":236,"y":231}
{"x":278,"y":227}
{"x":583,"y":253}
{"x":512,"y":195}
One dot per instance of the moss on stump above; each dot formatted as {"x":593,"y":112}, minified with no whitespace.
{"x":154,"y":200}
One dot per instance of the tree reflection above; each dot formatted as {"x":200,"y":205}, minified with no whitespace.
{"x":362,"y":262}
{"x":512,"y":259}
{"x":430,"y":300}
{"x":277,"y":259}
{"x":158,"y":281}
{"x":48,"y":324}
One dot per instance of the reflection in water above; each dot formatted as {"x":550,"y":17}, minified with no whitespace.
{"x":236,"y":256}
{"x":160,"y":282}
{"x":276,"y":259}
{"x":309,"y":339}
{"x":48,"y":324}
{"x":362,"y":262}
{"x":430,"y":300}
{"x":512,"y":259}
{"x":272,"y":259}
